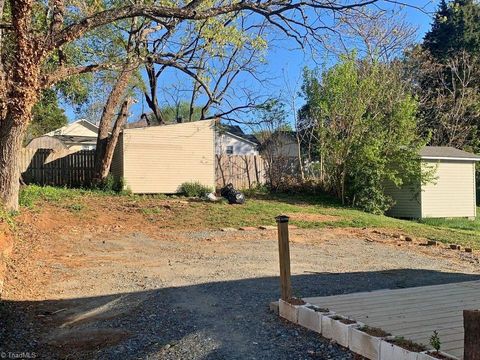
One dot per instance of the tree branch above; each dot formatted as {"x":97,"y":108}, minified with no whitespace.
{"x":64,"y":72}
{"x":189,"y":12}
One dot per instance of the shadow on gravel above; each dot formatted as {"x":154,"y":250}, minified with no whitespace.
{"x":221,"y":320}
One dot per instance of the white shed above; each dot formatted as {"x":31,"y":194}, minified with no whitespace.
{"x":451,"y":194}
{"x":158,"y":159}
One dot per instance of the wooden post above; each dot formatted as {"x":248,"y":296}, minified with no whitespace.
{"x":471,"y":324}
{"x":284,"y":255}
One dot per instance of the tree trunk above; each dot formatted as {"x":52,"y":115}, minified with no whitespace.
{"x":113,"y":139}
{"x":152,"y":99}
{"x":16,"y":109}
{"x":11,"y":138}
{"x":106,"y":120}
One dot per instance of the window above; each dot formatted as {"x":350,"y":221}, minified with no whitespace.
{"x":229,"y":150}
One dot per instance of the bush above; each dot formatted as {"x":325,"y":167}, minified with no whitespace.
{"x":259,"y":189}
{"x":110,"y":184}
{"x":195,"y":189}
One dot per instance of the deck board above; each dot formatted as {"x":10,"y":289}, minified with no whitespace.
{"x":413,"y":313}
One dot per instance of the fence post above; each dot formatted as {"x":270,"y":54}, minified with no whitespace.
{"x":284,"y":256}
{"x":471,"y":324}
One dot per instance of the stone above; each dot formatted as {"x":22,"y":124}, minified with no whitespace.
{"x":432,"y":243}
{"x":288,"y":311}
{"x":310,"y":319}
{"x":455,"y":247}
{"x":390,"y":351}
{"x":408,"y":238}
{"x":227,"y":229}
{"x":247,"y":228}
{"x":274,"y":307}
{"x":364,"y":344}
{"x":336,"y":330}
{"x":267,"y":227}
{"x":468,"y":250}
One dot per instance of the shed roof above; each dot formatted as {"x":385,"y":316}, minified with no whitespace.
{"x":446,"y":153}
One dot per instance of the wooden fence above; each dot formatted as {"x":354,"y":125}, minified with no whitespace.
{"x":63,"y":168}
{"x":243,"y":171}
{"x":67,"y":168}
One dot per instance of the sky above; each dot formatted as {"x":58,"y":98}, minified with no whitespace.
{"x":285,"y":62}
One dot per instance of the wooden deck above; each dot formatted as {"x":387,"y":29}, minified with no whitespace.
{"x":413,"y":313}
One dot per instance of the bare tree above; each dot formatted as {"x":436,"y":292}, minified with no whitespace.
{"x":449,"y":97}
{"x":380,"y":35}
{"x":211,"y":75}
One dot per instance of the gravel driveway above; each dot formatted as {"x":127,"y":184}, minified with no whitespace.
{"x":197,"y":295}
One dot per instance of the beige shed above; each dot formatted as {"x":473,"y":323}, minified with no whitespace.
{"x":158,"y":159}
{"x":452,"y":192}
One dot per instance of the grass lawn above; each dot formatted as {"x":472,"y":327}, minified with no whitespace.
{"x":260,"y":210}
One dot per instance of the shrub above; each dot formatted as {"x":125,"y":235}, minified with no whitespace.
{"x":259,"y":189}
{"x":110,"y":184}
{"x":195,"y":189}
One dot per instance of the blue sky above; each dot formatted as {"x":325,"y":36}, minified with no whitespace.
{"x":284,"y":62}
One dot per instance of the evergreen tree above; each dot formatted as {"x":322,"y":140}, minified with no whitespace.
{"x":47,"y":115}
{"x":456,"y":27}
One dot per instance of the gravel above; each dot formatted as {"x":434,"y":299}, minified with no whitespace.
{"x":201,"y":295}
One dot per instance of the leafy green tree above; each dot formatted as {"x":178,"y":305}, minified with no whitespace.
{"x":171,"y":113}
{"x":47,"y":115}
{"x":367,"y":121}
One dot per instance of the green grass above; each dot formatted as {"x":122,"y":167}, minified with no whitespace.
{"x":260,"y":209}
{"x":461,"y":224}
{"x":31,"y":195}
{"x":263,"y":211}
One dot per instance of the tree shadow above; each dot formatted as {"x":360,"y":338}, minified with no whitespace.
{"x":217,"y":320}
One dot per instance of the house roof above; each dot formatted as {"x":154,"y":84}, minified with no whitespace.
{"x":237,"y":131}
{"x":446,"y":153}
{"x":76,"y":139}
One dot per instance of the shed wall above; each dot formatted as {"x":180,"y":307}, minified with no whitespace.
{"x":159,"y":159}
{"x":452,"y":194}
{"x":407,"y":201}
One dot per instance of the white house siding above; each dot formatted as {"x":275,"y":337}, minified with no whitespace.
{"x":452,"y":194}
{"x":77,"y":128}
{"x":240,"y":146}
{"x":407,"y":201}
{"x":158,"y":159}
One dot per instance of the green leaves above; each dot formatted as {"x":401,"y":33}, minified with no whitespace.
{"x":366,"y":123}
{"x":47,"y":115}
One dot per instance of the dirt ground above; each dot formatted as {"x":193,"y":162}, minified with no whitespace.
{"x":113,"y":284}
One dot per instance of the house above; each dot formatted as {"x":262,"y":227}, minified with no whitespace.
{"x":231,"y":140}
{"x":450,"y":194}
{"x":158,"y":159}
{"x":78,"y":135}
{"x":281,"y":144}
